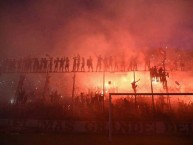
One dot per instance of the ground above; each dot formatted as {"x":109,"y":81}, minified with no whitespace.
{"x":83,"y":139}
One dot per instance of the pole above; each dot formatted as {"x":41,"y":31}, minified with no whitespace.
{"x":45,"y":86}
{"x":103,"y":89}
{"x":153,"y":105}
{"x":73,"y":90}
{"x":166,"y":84}
{"x":110,"y":119}
{"x":135,"y":90}
{"x":19,"y":87}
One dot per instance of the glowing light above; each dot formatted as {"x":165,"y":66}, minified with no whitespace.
{"x":124,"y":79}
{"x":12,"y":101}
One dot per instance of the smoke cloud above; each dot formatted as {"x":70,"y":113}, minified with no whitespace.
{"x":87,"y":27}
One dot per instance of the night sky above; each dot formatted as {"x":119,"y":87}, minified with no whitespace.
{"x":66,"y":27}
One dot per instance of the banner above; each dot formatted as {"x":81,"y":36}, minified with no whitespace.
{"x":97,"y":127}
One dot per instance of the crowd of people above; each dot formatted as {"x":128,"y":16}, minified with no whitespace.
{"x":112,"y":63}
{"x":159,"y":75}
{"x":93,"y":105}
{"x":64,"y":64}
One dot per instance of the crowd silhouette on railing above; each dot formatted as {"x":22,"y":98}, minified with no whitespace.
{"x":64,"y":64}
{"x":111,"y":63}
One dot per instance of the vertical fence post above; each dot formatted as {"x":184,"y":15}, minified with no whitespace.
{"x":110,"y":118}
{"x":103,"y":90}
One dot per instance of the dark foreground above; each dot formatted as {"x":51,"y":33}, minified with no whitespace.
{"x":82,"y":139}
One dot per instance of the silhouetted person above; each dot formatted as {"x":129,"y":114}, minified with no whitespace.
{"x":147,"y":62}
{"x":164,"y":79}
{"x":83,"y":64}
{"x":28,"y":64}
{"x":89,"y":64}
{"x":135,"y":64}
{"x":115,"y":64}
{"x":78,"y":62}
{"x":67,"y":65}
{"x":62,"y":61}
{"x":51,"y":63}
{"x":134,"y":85}
{"x":122,"y":63}
{"x":56,"y":62}
{"x":111,"y":63}
{"x":19,"y":65}
{"x":105,"y":62}
{"x":99,"y":63}
{"x":41,"y":65}
{"x":155,"y":73}
{"x":74,"y":63}
{"x":45,"y":65}
{"x":35,"y":65}
{"x":130,"y":68}
{"x":160,"y":71}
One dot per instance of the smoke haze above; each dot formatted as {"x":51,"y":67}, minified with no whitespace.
{"x":87,"y":27}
